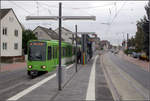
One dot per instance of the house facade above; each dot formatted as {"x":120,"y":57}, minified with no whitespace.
{"x":67,"y":35}
{"x":43,"y":33}
{"x":105,"y":44}
{"x":10,"y":34}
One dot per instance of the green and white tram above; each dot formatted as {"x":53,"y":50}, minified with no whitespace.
{"x":43,"y":55}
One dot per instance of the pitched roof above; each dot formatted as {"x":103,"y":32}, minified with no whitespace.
{"x":3,"y":12}
{"x":49,"y":32}
{"x":65,"y":29}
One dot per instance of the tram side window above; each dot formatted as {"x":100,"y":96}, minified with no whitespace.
{"x":49,"y":52}
{"x":66,"y":52}
{"x":53,"y":53}
{"x":63,"y":51}
{"x":69,"y":51}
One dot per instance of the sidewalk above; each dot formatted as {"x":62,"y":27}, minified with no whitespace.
{"x":143,"y":64}
{"x":13,"y":66}
{"x":78,"y":86}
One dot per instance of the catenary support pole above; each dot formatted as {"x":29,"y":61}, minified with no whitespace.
{"x":76,"y":48}
{"x":59,"y":68}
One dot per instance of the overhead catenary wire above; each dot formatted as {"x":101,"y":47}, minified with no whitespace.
{"x":90,"y":7}
{"x":19,"y":6}
{"x":115,"y":16}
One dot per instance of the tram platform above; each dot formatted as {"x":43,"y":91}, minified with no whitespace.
{"x":88,"y":83}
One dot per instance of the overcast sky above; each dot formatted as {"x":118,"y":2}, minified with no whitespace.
{"x":113,"y":18}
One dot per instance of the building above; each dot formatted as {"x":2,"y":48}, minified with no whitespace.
{"x":10,"y":36}
{"x":67,"y":35}
{"x":104,"y":44}
{"x":95,"y":42}
{"x":43,"y":33}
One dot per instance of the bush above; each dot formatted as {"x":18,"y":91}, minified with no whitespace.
{"x":129,"y":51}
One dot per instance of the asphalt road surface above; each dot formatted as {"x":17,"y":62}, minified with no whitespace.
{"x":140,"y":75}
{"x":13,"y":82}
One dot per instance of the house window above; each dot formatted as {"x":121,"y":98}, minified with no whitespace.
{"x":36,"y":34}
{"x":5,"y":31}
{"x":11,"y":19}
{"x":4,"y":45}
{"x":16,"y":46}
{"x":16,"y":33}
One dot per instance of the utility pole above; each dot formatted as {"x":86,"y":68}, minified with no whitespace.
{"x":60,"y":18}
{"x":127,"y":40}
{"x":76,"y":47}
{"x":0,"y":47}
{"x":59,"y":68}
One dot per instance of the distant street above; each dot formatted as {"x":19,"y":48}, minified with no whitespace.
{"x":131,"y":81}
{"x":143,"y":77}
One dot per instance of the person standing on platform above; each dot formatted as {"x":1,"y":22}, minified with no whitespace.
{"x":79,"y":56}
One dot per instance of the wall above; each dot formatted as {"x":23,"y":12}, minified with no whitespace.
{"x":10,"y":38}
{"x":65,"y":35}
{"x":41,"y":34}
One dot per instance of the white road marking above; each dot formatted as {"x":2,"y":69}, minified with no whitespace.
{"x":31,"y":88}
{"x":69,"y":66}
{"x":90,"y":95}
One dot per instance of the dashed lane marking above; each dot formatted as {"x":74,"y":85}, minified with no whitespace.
{"x":31,"y":88}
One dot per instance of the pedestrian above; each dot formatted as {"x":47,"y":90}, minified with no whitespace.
{"x":79,"y":56}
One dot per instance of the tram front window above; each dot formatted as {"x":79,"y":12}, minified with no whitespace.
{"x":37,"y":51}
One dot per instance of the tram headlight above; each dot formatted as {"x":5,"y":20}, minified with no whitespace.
{"x":43,"y":67}
{"x":29,"y":66}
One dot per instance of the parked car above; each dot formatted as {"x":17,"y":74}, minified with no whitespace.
{"x":136,"y":55}
{"x":143,"y":56}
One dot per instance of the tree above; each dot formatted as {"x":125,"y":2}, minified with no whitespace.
{"x":139,"y":37}
{"x":147,"y":8}
{"x":27,"y":35}
{"x":145,"y":27}
{"x":131,"y":42}
{"x":141,"y":40}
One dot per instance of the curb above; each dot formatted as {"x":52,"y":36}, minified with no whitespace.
{"x":113,"y":90}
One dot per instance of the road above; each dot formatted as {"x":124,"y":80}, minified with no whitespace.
{"x":15,"y":81}
{"x":130,"y":81}
{"x":140,"y":75}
